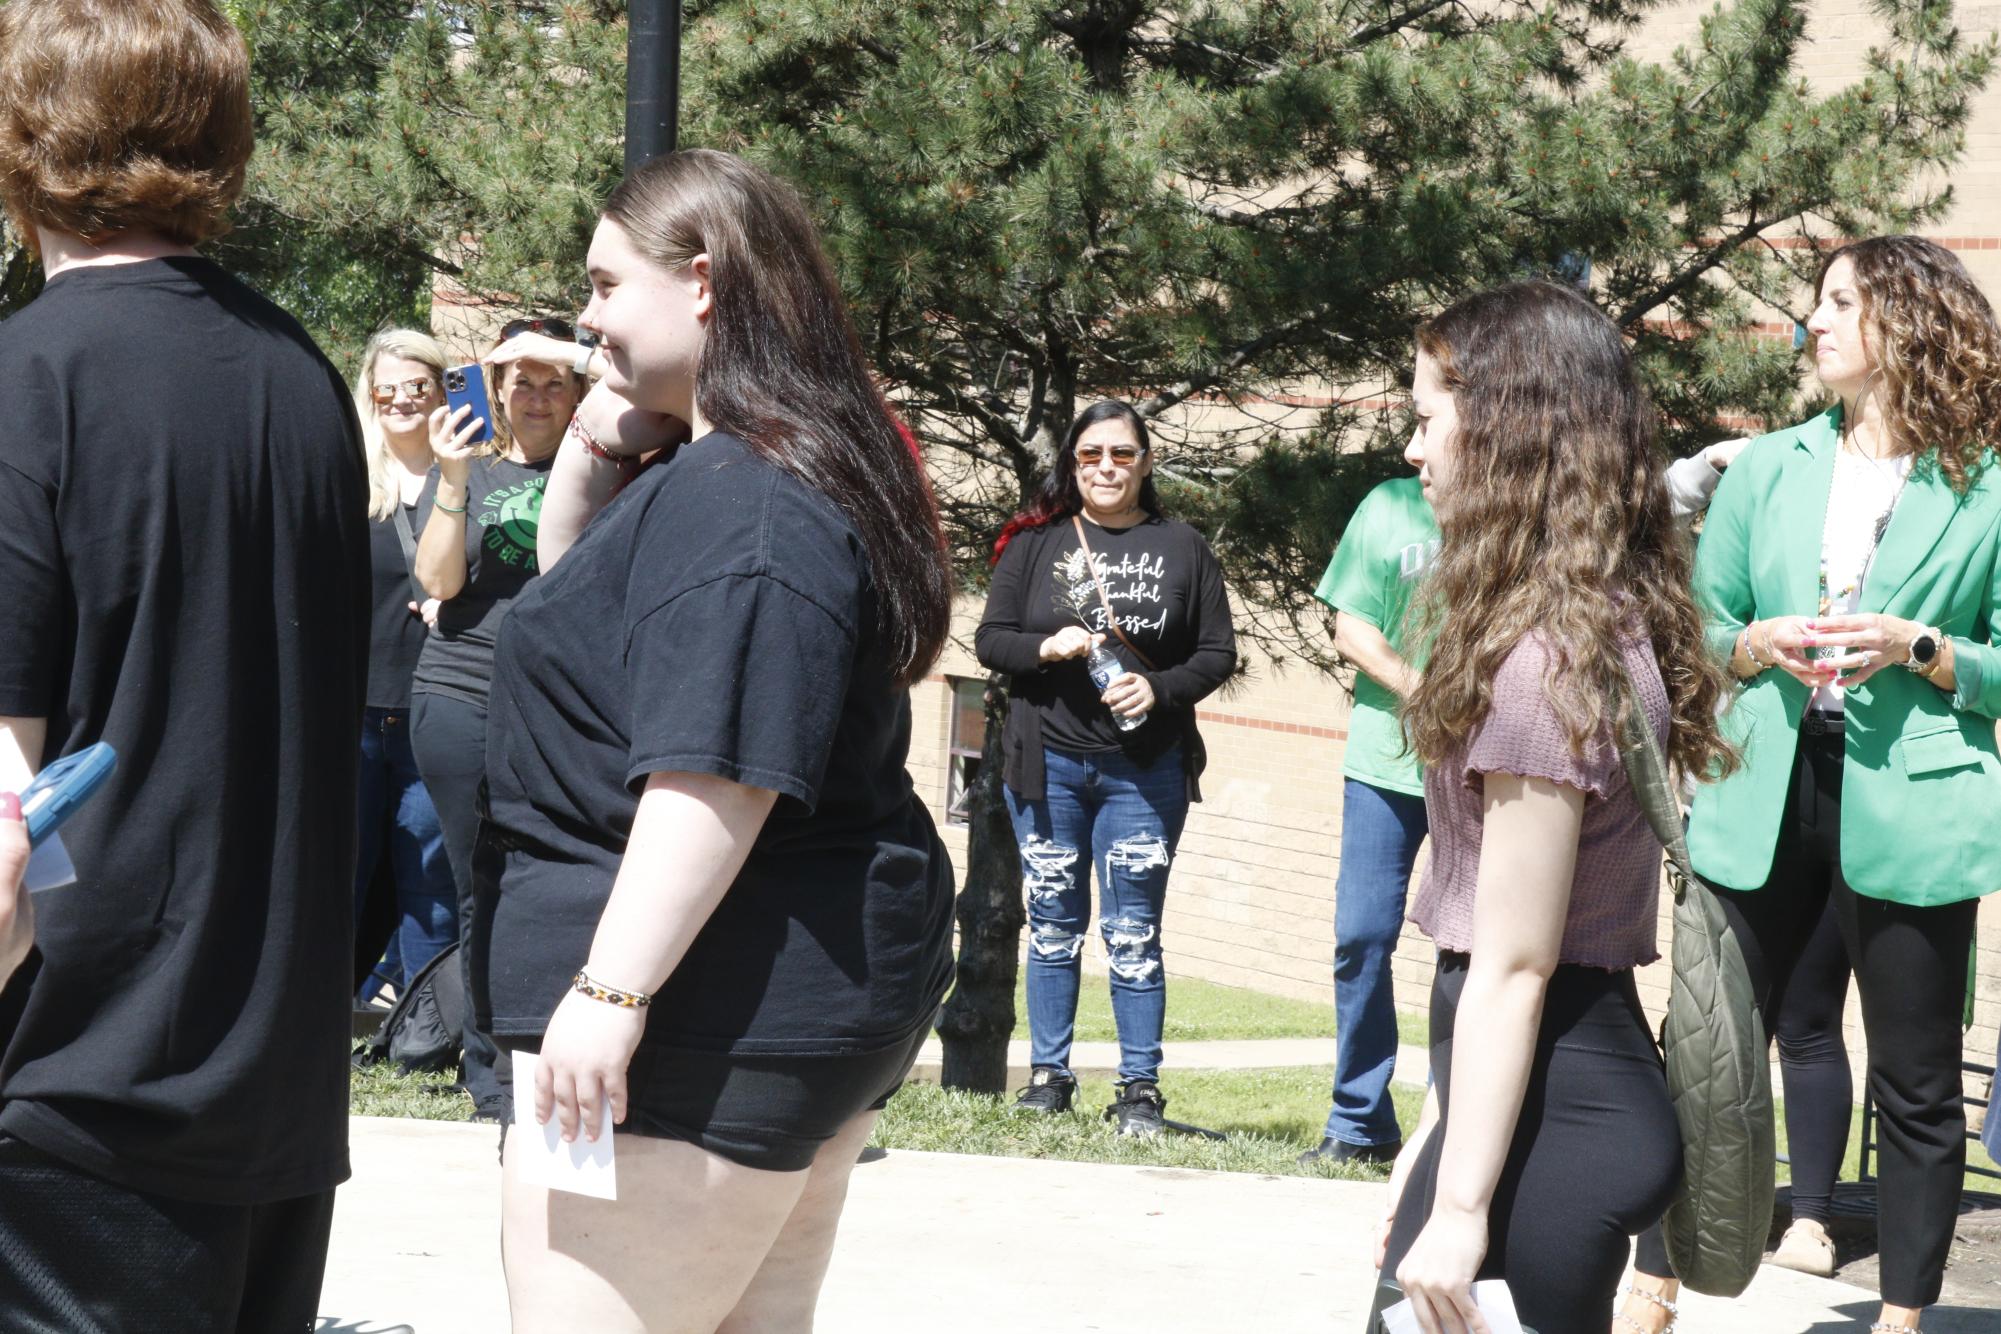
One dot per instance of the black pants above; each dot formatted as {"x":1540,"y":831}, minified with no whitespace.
{"x":449,"y":738}
{"x":80,"y":1255}
{"x":1595,"y":1157}
{"x":1910,"y":968}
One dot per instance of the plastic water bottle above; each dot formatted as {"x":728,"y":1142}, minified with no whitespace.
{"x":1106,"y":669}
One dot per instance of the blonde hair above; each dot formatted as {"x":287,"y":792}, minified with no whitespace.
{"x":410,"y":345}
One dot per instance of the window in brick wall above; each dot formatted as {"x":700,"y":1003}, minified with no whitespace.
{"x":969,"y":732}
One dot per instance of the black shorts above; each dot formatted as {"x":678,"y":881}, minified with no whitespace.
{"x":768,"y":1112}
{"x":81,"y":1255}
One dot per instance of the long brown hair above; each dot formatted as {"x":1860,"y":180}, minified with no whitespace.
{"x":782,"y":370}
{"x":1933,"y":337}
{"x":1557,"y":505}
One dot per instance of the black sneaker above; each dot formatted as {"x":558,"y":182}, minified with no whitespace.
{"x":1333,"y":1150}
{"x":1139,"y":1109}
{"x":1049,"y":1091}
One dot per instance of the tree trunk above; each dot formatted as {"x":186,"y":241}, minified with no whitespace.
{"x":979,"y":1015}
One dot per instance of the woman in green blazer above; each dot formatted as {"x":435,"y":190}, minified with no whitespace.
{"x":1849,"y":569}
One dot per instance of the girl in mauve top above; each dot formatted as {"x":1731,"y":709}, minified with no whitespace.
{"x":1549,"y":1139}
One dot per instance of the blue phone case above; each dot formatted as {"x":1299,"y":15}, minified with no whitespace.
{"x":465,"y":386}
{"x":61,"y":789}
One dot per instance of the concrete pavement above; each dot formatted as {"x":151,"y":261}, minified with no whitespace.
{"x":976,"y":1245}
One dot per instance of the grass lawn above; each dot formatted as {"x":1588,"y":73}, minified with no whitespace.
{"x":1269,"y":1116}
{"x":1206,"y":1012}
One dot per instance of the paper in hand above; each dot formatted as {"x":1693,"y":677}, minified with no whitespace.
{"x":1490,"y":1296}
{"x":584,"y":1167}
{"x":49,"y":867}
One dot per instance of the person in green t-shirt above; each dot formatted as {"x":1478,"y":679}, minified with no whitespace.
{"x":1390,"y":541}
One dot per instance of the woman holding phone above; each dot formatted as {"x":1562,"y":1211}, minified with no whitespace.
{"x":1558,"y":603}
{"x":476,"y":554}
{"x":1851,"y":570}
{"x":707,"y":893}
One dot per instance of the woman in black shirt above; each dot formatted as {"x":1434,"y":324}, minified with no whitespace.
{"x":1113,"y":622}
{"x":476,"y":555}
{"x":401,"y":383}
{"x":705,"y":888}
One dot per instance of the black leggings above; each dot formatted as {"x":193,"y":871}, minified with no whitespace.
{"x":1910,"y":967}
{"x":448,"y":737}
{"x":1595,"y":1158}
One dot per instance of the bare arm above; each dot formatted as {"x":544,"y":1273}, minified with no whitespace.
{"x":690,"y":837}
{"x":1369,"y":649}
{"x":582,"y":482}
{"x":1528,"y":853}
{"x":31,"y":735}
{"x":440,"y":565}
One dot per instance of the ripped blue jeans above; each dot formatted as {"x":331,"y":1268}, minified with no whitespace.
{"x":1125,"y":819}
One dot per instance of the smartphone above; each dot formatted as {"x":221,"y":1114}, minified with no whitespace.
{"x":61,"y":789}
{"x":465,"y":386}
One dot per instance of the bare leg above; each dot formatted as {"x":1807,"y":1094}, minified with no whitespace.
{"x":1901,"y":1317}
{"x":1649,"y":1308}
{"x":782,"y":1296}
{"x":671,"y":1256}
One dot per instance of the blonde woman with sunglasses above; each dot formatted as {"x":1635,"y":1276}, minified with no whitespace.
{"x":400,"y":384}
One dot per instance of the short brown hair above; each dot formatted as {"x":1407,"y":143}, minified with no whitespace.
{"x":122,"y":116}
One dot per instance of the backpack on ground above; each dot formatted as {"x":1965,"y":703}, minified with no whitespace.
{"x":423,"y":1033}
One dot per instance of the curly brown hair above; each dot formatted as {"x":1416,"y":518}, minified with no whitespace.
{"x":1557,"y":504}
{"x":1934,"y":339}
{"x":122,"y":116}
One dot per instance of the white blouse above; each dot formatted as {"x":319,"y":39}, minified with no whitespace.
{"x":1859,"y":502}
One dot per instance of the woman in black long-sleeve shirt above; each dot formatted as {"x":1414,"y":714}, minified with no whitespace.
{"x":1102,"y":758}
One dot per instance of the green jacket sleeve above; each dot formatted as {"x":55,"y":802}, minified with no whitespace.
{"x":1723,"y":561}
{"x":1977,"y":667}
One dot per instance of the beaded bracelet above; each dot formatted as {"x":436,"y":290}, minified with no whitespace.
{"x":598,"y":991}
{"x":592,"y":447}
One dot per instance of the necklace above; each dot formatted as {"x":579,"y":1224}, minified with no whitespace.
{"x":1829,"y":597}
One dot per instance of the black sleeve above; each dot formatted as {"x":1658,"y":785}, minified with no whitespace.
{"x":1000,"y":643}
{"x":1215,"y":653}
{"x":741,"y":677}
{"x":32,"y":578}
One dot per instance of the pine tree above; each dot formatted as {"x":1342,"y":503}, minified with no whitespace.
{"x":1032,"y":206}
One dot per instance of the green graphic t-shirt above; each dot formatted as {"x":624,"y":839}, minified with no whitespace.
{"x":503,"y":511}
{"x":1390,"y":542}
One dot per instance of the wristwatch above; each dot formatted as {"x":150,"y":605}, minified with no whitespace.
{"x":1924,"y":651}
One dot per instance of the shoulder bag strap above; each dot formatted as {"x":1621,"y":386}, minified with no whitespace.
{"x":1647,"y":772}
{"x":408,"y":540}
{"x":1104,"y":598}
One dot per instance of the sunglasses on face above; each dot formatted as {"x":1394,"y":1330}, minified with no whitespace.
{"x":385,"y":394}
{"x":1090,"y":456}
{"x":562,"y":329}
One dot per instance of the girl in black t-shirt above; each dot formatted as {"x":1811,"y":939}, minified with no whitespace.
{"x":705,"y":889}
{"x":1113,"y":623}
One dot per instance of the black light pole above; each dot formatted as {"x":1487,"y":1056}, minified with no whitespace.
{"x":652,"y":79}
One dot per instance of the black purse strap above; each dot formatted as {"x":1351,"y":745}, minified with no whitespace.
{"x":408,"y":539}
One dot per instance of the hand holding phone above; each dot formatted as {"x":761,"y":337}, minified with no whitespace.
{"x":465,"y":387}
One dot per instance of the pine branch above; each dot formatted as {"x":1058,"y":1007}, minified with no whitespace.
{"x":1218,"y":371}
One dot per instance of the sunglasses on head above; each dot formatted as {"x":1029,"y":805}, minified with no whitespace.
{"x":385,"y":394}
{"x":1090,"y":456}
{"x":554,"y":328}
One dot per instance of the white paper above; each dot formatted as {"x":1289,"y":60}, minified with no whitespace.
{"x":1490,"y":1296}
{"x":49,"y":867}
{"x":584,"y":1167}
